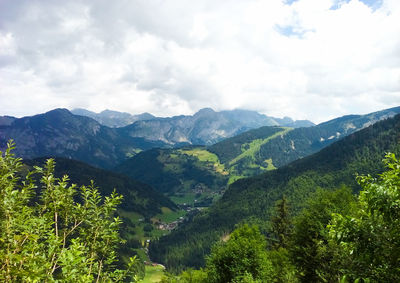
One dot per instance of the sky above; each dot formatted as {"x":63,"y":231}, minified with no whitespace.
{"x":306,"y":59}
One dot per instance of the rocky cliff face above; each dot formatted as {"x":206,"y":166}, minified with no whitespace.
{"x":206,"y":127}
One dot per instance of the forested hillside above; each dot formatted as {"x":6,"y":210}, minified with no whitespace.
{"x":252,"y":199}
{"x":298,"y":143}
{"x":140,"y":201}
{"x":138,"y":197}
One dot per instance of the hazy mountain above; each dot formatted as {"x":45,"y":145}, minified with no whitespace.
{"x":252,"y":199}
{"x":206,"y":127}
{"x":113,"y":119}
{"x":6,"y":120}
{"x":60,"y":133}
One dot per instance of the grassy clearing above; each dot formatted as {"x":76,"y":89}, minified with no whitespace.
{"x":270,"y":165}
{"x":205,"y":156}
{"x":153,"y":274}
{"x":250,"y":149}
{"x":168,"y":215}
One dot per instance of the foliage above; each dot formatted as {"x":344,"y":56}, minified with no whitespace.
{"x":46,"y":235}
{"x":370,"y":237}
{"x":281,"y":224}
{"x":242,"y":255}
{"x":309,"y":248}
{"x":138,"y":197}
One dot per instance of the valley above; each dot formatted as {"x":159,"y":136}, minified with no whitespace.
{"x":180,"y":197}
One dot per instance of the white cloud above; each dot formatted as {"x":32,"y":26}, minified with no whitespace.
{"x":313,"y":59}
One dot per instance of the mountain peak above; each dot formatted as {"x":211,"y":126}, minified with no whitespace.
{"x":205,"y":111}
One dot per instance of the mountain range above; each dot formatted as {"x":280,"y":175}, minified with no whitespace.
{"x":63,"y":134}
{"x":59,"y":133}
{"x":112,"y":119}
{"x":237,"y":162}
{"x":248,"y":154}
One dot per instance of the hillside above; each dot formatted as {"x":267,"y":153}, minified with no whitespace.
{"x":139,"y":206}
{"x":180,"y":171}
{"x":251,"y":199}
{"x":138,"y":197}
{"x":187,"y":174}
{"x":295,"y":144}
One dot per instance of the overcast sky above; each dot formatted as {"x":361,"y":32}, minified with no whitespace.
{"x":307,"y":59}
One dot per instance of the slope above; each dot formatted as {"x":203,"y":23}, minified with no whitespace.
{"x":292,"y":145}
{"x":183,"y":173}
{"x":140,"y":202}
{"x":252,"y":199}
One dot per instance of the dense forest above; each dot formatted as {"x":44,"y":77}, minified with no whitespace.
{"x":336,"y":237}
{"x":251,"y":200}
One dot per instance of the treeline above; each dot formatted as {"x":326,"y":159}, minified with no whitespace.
{"x":251,"y":200}
{"x":336,"y":237}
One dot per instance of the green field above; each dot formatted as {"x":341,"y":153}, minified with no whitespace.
{"x":204,"y":155}
{"x":168,"y":215}
{"x":153,"y":274}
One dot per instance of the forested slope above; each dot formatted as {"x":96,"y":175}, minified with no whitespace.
{"x":252,"y":199}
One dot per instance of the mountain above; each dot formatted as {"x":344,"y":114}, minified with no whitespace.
{"x":6,"y":120}
{"x":247,"y":154}
{"x":203,"y":128}
{"x":63,"y":134}
{"x":112,"y":119}
{"x":252,"y":199}
{"x":60,"y":133}
{"x":291,"y":144}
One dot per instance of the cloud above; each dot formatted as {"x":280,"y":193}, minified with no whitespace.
{"x":306,"y":59}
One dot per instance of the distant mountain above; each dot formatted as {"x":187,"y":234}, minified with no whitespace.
{"x":62,"y":134}
{"x":112,"y":119}
{"x":6,"y":120}
{"x":252,"y":199}
{"x":206,"y":127}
